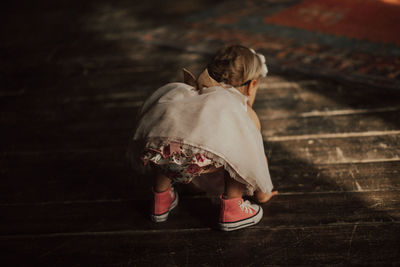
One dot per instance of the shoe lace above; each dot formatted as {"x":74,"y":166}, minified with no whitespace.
{"x":246,"y":206}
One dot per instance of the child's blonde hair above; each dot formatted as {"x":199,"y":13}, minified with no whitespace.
{"x":235,"y":65}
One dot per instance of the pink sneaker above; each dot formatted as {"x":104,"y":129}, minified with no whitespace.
{"x":237,"y":213}
{"x":163,"y":203}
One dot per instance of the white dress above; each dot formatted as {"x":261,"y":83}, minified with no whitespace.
{"x":212,"y":121}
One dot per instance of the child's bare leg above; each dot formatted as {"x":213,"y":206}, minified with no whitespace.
{"x":233,"y":188}
{"x":161,"y":183}
{"x":262,"y":197}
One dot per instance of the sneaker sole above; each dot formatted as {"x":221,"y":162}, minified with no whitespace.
{"x":163,"y":217}
{"x":231,"y":226}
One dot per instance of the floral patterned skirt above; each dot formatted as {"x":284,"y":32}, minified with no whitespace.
{"x":177,"y":162}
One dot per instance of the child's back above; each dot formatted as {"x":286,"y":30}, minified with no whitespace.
{"x":185,"y":131}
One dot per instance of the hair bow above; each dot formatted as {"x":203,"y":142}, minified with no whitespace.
{"x":264,"y":69}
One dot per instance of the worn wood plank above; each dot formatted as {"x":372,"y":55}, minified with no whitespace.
{"x":338,"y":177}
{"x":300,"y":96}
{"x":371,"y":244}
{"x":314,"y":151}
{"x":276,"y":114}
{"x":362,"y":149}
{"x":101,"y":179}
{"x":102,"y":125}
{"x":384,"y":121}
{"x":323,"y":97}
{"x":99,"y":125}
{"x":297,"y":210}
{"x":97,"y":115}
{"x":99,"y":175}
{"x":351,"y":164}
{"x":64,"y":139}
{"x":275,"y":120}
{"x":69,"y":176}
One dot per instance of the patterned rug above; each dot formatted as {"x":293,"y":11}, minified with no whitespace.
{"x":355,"y":40}
{"x":372,"y":20}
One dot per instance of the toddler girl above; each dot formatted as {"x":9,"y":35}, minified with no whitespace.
{"x":205,"y":125}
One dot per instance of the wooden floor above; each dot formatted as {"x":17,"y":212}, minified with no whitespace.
{"x":68,"y":98}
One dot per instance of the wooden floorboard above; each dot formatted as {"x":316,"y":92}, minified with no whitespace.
{"x":298,"y":95}
{"x":370,"y":244}
{"x":108,"y":177}
{"x":336,"y":150}
{"x":317,"y":149}
{"x":287,"y":210}
{"x":338,"y":124}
